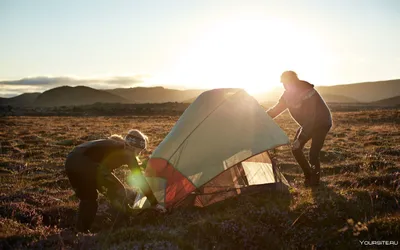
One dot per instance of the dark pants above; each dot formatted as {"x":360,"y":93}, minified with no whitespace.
{"x":82,"y":174}
{"x":317,"y":141}
{"x":86,"y":178}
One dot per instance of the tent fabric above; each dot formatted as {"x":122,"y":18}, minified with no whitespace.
{"x":177,"y":185}
{"x":259,"y":175}
{"x":205,"y":149}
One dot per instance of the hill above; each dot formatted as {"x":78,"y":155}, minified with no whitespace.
{"x":338,"y":98}
{"x":80,"y":95}
{"x":367,"y":92}
{"x":364,"y":92}
{"x":25,"y":99}
{"x":272,"y":97}
{"x":154,"y":94}
{"x":394,"y":101}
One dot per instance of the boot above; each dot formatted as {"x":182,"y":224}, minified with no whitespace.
{"x":315,"y":175}
{"x":305,"y":166}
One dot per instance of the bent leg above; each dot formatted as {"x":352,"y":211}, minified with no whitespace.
{"x":86,"y":215}
{"x":318,"y":139}
{"x":300,"y":158}
{"x":83,"y":181}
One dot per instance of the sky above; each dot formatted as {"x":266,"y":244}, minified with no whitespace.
{"x":195,"y":44}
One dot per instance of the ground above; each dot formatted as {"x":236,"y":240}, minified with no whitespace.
{"x":358,"y":199}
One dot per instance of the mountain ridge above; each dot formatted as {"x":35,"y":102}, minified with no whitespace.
{"x":155,"y":94}
{"x":393,"y":101}
{"x":24,"y":99}
{"x":366,"y":92}
{"x":74,"y":96}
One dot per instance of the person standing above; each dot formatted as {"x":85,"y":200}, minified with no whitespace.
{"x":310,"y":111}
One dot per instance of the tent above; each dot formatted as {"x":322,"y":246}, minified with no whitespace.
{"x":217,"y":149}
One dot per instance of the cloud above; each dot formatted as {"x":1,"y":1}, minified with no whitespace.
{"x":125,"y":80}
{"x":14,"y":90}
{"x":43,"y":83}
{"x":41,"y":80}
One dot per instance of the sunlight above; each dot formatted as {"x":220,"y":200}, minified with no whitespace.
{"x":249,"y":54}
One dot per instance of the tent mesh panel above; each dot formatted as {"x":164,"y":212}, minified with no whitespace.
{"x":228,"y":184}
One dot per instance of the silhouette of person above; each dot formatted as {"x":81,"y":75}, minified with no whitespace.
{"x":89,"y":169}
{"x":310,"y":111}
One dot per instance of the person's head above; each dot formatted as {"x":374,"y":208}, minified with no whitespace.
{"x":134,"y":140}
{"x":289,"y":79}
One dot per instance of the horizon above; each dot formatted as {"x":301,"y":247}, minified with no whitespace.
{"x":182,"y":88}
{"x":195,"y":45}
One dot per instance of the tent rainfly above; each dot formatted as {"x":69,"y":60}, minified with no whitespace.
{"x":217,"y":149}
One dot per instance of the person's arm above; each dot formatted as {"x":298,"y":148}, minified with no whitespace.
{"x":140,"y":180}
{"x":277,"y":109}
{"x":116,"y":192}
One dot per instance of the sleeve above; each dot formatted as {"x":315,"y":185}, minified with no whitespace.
{"x":140,"y":181}
{"x":131,"y":160}
{"x":116,"y":192}
{"x":278,"y":108}
{"x":308,"y":126}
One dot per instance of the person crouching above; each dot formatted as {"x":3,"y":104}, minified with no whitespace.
{"x":89,"y":169}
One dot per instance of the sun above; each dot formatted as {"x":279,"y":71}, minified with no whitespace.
{"x":249,"y":54}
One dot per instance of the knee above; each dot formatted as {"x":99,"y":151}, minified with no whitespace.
{"x":314,"y":160}
{"x":88,"y":205}
{"x":314,"y":155}
{"x":87,"y":210}
{"x":297,"y":151}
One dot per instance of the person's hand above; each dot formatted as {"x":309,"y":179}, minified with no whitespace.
{"x":296,"y":145}
{"x":131,"y":195}
{"x":160,"y":209}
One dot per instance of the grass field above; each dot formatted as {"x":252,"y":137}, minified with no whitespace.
{"x":358,"y":200}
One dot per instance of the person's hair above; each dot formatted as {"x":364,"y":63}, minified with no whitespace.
{"x":116,"y":137}
{"x":135,"y":140}
{"x":289,"y":76}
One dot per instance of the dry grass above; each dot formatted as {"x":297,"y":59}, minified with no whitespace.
{"x":358,"y":199}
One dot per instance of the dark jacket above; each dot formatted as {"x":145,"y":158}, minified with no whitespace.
{"x":98,"y":159}
{"x":108,"y":153}
{"x":306,"y":107}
